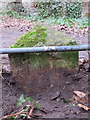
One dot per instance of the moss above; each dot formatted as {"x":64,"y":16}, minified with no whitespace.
{"x":37,"y":60}
{"x":32,"y":38}
{"x":40,"y":36}
{"x":35,"y":37}
{"x":68,"y":59}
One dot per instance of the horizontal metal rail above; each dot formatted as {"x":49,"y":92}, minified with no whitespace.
{"x":45,"y":49}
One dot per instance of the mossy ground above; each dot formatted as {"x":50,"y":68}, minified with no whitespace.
{"x":41,"y":36}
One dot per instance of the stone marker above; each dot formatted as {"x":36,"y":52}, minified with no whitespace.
{"x":36,"y":72}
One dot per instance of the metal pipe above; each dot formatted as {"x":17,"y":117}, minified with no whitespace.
{"x":45,"y":49}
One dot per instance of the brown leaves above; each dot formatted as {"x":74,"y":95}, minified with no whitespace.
{"x":71,"y":30}
{"x":80,"y":97}
{"x":15,"y":22}
{"x":84,"y":107}
{"x":80,"y":94}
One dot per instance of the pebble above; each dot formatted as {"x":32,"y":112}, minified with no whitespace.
{"x":6,"y":69}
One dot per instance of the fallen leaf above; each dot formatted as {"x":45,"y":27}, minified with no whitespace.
{"x":80,"y":97}
{"x":57,"y":94}
{"x":81,"y":100}
{"x":80,"y":94}
{"x":84,"y":107}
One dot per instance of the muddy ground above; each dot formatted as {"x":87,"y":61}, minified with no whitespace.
{"x":70,"y":80}
{"x":55,"y":108}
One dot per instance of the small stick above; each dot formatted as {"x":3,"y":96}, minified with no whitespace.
{"x":30,"y":113}
{"x":13,"y":114}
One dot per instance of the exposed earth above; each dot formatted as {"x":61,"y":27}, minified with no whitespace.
{"x":51,"y":100}
{"x":69,"y":81}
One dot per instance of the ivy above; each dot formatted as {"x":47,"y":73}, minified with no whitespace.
{"x":59,"y":9}
{"x":73,"y":9}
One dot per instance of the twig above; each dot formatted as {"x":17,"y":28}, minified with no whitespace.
{"x":29,"y":113}
{"x":31,"y":110}
{"x":13,"y":114}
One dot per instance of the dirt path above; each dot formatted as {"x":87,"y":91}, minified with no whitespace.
{"x":9,"y":36}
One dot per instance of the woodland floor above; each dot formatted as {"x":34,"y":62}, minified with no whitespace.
{"x":56,"y":108}
{"x":70,"y":81}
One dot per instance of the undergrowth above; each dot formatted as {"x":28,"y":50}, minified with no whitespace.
{"x":70,"y":22}
{"x":52,"y":12}
{"x":26,"y":107}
